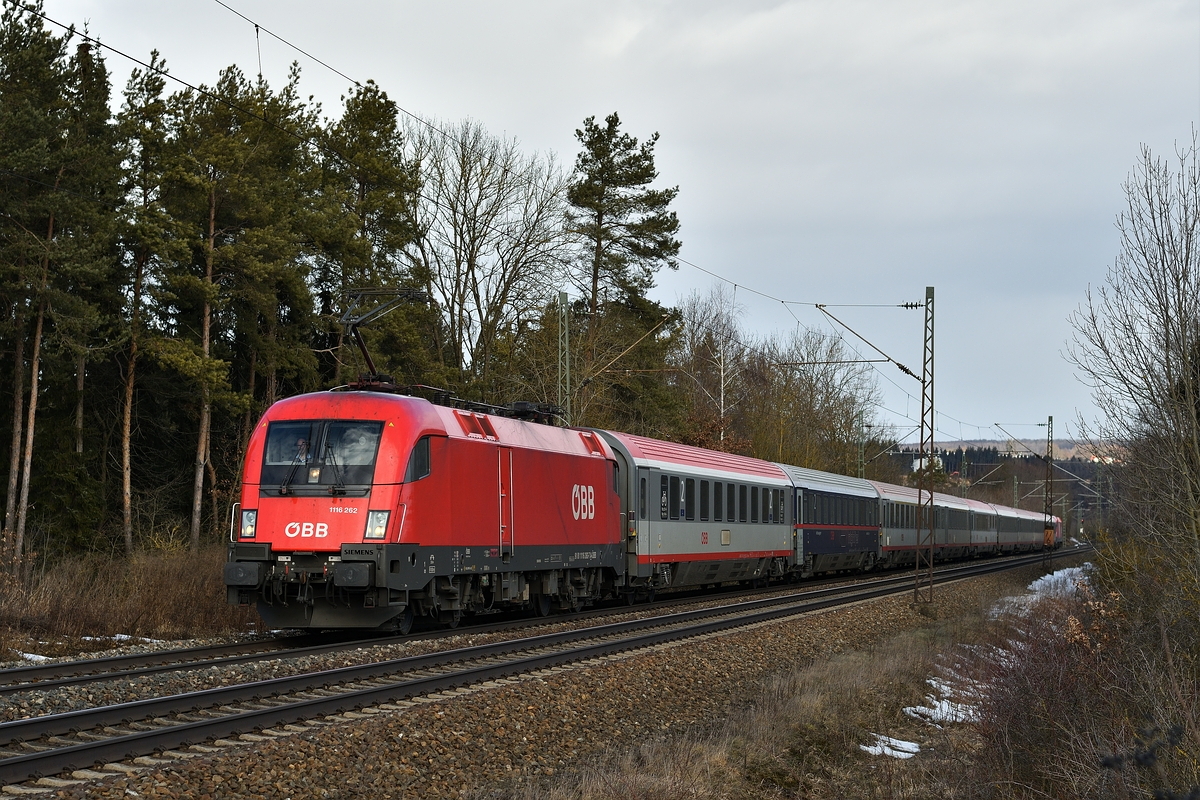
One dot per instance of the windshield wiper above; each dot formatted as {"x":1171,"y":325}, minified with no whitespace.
{"x":339,"y":485}
{"x":286,"y":486}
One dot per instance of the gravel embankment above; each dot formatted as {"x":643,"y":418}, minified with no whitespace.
{"x":39,"y":702}
{"x":526,"y":729}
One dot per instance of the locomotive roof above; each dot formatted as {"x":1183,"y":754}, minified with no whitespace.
{"x":670,"y":455}
{"x":828,"y":481}
{"x":464,"y":424}
{"x":421,"y":417}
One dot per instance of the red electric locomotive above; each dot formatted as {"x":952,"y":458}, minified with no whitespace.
{"x":365,"y":509}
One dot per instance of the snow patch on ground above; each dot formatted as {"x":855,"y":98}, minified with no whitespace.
{"x":120,"y":637}
{"x":943,"y":706}
{"x":32,"y":656}
{"x":1062,"y":583}
{"x":953,"y":699}
{"x":895,"y":748}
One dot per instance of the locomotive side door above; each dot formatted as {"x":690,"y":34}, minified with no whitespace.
{"x":504,"y":476}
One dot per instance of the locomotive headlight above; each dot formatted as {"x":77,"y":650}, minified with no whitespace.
{"x":377,"y":524}
{"x":249,"y":521}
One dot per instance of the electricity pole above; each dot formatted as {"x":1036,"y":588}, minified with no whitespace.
{"x":1048,"y":505}
{"x":923,"y":578}
{"x":564,"y":357}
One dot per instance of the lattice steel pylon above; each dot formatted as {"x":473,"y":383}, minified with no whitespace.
{"x":1048,"y":505}
{"x":923,"y":577}
{"x":564,"y":357}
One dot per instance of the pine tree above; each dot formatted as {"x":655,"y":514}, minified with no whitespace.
{"x":626,"y":227}
{"x":368,"y":191}
{"x":151,"y":240}
{"x":241,"y":302}
{"x":32,"y":121}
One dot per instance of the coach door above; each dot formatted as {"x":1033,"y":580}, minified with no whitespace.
{"x":647,"y":509}
{"x":504,"y":472}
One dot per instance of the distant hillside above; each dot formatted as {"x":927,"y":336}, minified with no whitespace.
{"x":1063,"y":448}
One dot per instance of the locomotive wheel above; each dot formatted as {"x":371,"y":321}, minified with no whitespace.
{"x":630,"y":598}
{"x":541,"y":605}
{"x":404,"y":622}
{"x":650,"y":595}
{"x":450,"y":619}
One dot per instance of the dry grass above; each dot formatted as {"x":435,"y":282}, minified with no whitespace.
{"x":164,"y":595}
{"x":801,"y":737}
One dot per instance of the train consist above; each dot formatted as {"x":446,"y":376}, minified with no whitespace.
{"x":368,"y":509}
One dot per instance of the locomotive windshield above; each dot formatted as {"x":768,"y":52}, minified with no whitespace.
{"x":326,"y":453}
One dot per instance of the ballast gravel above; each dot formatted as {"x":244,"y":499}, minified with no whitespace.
{"x":491,"y":739}
{"x":57,"y":700}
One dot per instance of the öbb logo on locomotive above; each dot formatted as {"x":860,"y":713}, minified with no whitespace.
{"x":583,"y":501}
{"x":306,"y":529}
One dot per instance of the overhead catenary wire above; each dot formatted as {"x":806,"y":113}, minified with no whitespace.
{"x":785,"y":303}
{"x":324,"y":147}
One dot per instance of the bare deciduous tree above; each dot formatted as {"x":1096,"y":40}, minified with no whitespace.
{"x":491,"y":242}
{"x":1137,"y":344}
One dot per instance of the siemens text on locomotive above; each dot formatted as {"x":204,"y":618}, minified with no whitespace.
{"x":367,"y":509}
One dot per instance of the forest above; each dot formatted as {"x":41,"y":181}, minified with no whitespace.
{"x":174,"y":258}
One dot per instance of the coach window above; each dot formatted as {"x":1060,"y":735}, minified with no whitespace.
{"x":718,"y":501}
{"x":689,"y":499}
{"x":663,"y":503}
{"x":642,"y":499}
{"x":754,"y":504}
{"x":704,"y":501}
{"x":743,"y":504}
{"x":674,"y":502}
{"x":730,"y":502}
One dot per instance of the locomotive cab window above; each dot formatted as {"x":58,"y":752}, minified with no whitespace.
{"x":418,"y":461}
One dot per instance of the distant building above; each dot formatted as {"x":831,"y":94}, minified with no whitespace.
{"x":919,"y":464}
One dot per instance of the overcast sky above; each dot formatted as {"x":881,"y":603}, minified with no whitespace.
{"x":826,"y":152}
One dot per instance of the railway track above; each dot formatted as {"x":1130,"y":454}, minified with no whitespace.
{"x":45,"y":677}
{"x":74,"y":740}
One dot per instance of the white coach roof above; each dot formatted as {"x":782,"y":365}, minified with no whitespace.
{"x":829,"y":482}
